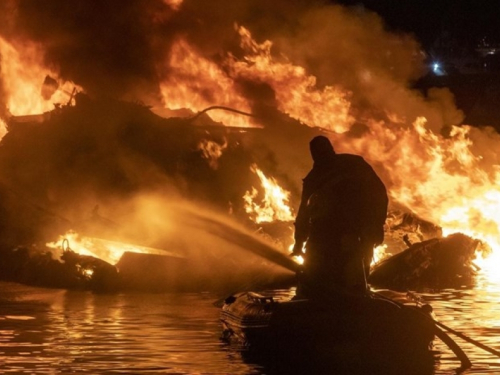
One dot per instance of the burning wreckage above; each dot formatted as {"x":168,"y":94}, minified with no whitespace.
{"x":187,"y":201}
{"x":90,"y":262}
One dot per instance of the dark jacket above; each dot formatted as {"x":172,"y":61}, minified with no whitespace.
{"x":341,"y":194}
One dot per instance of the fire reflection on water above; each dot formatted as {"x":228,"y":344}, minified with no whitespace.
{"x":130,"y":333}
{"x":52,"y":330}
{"x":474,"y":312}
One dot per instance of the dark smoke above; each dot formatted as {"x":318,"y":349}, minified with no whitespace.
{"x":115,"y":48}
{"x":119,"y":49}
{"x":109,"y":153}
{"x":110,"y":47}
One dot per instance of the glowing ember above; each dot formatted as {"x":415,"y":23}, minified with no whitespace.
{"x":274,"y":204}
{"x":379,"y":254}
{"x":196,"y":83}
{"x":299,"y":259}
{"x":174,"y":4}
{"x":3,"y":129}
{"x":88,"y":273}
{"x":212,"y":151}
{"x":30,"y":87}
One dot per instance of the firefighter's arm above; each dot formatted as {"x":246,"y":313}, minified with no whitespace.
{"x":297,"y":248}
{"x":301,"y":225}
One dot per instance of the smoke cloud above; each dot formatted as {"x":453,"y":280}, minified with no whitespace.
{"x":119,"y":49}
{"x":106,"y":152}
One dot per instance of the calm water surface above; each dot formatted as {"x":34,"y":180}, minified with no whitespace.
{"x":45,"y":331}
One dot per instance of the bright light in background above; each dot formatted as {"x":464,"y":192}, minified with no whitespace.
{"x":437,"y":69}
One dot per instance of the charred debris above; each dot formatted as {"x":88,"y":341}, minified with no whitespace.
{"x":56,"y":168}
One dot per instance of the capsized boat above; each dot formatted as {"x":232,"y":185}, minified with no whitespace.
{"x":351,"y":328}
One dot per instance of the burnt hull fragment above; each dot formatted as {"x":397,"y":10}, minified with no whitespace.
{"x":436,"y":263}
{"x":73,"y":271}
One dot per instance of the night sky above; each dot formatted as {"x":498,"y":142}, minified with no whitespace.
{"x":466,"y":20}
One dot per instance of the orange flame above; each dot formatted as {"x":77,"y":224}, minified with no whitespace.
{"x":274,"y":204}
{"x":212,"y":151}
{"x":296,"y":91}
{"x":196,"y":83}
{"x":438,"y":177}
{"x":23,"y":74}
{"x":109,"y":251}
{"x":3,"y":129}
{"x":379,"y":253}
{"x":174,"y":4}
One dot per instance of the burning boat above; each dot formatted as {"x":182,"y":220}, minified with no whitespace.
{"x":110,"y":152}
{"x":436,"y":263}
{"x":36,"y":267}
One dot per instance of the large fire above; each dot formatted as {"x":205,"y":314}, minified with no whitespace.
{"x":198,"y":83}
{"x":441,"y":178}
{"x":296,"y":91}
{"x":30,"y":86}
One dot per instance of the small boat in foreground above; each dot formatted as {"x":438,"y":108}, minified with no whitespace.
{"x":370,"y":328}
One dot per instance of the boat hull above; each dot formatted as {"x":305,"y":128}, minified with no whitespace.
{"x":348,"y":329}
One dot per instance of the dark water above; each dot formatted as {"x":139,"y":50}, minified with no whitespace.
{"x":44,"y":331}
